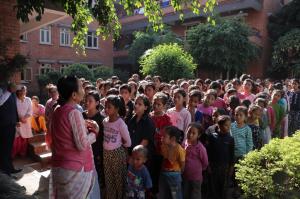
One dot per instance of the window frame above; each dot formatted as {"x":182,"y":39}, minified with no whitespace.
{"x":65,"y":33}
{"x":63,"y":67}
{"x":93,"y":36}
{"x":24,"y":72}
{"x":45,"y":29}
{"x":45,"y":66}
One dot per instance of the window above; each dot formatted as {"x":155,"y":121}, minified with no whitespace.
{"x":45,"y":68}
{"x":26,"y":75}
{"x":65,"y":37}
{"x":24,"y":37}
{"x":63,"y":67}
{"x":45,"y":35}
{"x":91,"y":40}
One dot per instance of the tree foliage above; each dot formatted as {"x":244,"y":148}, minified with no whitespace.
{"x":106,"y":72}
{"x":79,"y":70}
{"x":286,"y":54}
{"x":286,"y":19}
{"x":224,"y":46}
{"x":169,"y":61}
{"x":272,"y":172}
{"x":147,"y":40}
{"x":104,"y":11}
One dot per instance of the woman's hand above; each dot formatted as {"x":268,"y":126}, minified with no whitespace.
{"x":23,"y":119}
{"x":92,"y":126}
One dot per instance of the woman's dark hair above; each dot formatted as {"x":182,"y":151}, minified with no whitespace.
{"x":125,"y":87}
{"x":193,"y":87}
{"x":96,"y":97}
{"x":196,"y":93}
{"x":215,"y":85}
{"x":146,"y":102}
{"x":182,"y":93}
{"x":158,"y":77}
{"x":162,"y":97}
{"x":118,"y":102}
{"x":173,"y":131}
{"x":246,"y":103}
{"x":150,"y":84}
{"x":112,"y":91}
{"x":66,"y":86}
{"x":234,"y":101}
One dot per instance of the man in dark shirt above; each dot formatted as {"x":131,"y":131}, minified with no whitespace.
{"x":8,"y":122}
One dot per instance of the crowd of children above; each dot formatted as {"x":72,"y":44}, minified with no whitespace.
{"x":180,"y":139}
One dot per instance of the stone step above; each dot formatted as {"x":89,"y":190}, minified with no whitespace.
{"x":40,"y":137}
{"x":37,"y":147}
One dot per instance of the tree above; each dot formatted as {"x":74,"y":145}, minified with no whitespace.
{"x":146,"y":40}
{"x":106,"y":72}
{"x":50,"y":78}
{"x":80,"y":70}
{"x":272,"y":172}
{"x":224,"y":46}
{"x":169,"y":61}
{"x":286,"y":19}
{"x":104,"y":11}
{"x":286,"y":54}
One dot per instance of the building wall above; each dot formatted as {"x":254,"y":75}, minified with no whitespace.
{"x":56,"y":53}
{"x":9,"y":30}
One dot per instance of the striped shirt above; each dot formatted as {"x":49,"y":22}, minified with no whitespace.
{"x":243,"y":142}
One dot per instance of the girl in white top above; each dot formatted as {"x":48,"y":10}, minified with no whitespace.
{"x":116,"y":137}
{"x":179,"y":115}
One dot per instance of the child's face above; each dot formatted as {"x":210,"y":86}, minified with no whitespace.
{"x":157,"y":82}
{"x":91,"y":103}
{"x":125,"y":94}
{"x":209,"y":100}
{"x":295,"y":85}
{"x":194,"y":101}
{"x":240,"y":117}
{"x":139,"y":106}
{"x":247,"y":86}
{"x":215,"y":116}
{"x":138,"y":159}
{"x":193,"y":134}
{"x":225,"y":128}
{"x":149,"y":92}
{"x":158,"y":106}
{"x":178,"y":99}
{"x":110,"y":109}
{"x":276,"y":96}
{"x":256,"y":114}
{"x":166,"y":139}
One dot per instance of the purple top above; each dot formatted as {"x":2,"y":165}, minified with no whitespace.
{"x":195,"y":161}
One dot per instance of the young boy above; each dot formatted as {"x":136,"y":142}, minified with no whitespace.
{"x":125,"y":92}
{"x":194,"y":100}
{"x":138,"y":177}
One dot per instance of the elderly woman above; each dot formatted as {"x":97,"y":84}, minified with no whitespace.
{"x":72,"y":173}
{"x":24,"y":131}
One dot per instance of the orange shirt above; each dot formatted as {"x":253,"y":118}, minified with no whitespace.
{"x":172,"y":158}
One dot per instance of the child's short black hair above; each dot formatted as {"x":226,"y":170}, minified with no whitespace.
{"x":196,"y":93}
{"x":66,"y":86}
{"x":118,"y":102}
{"x":246,"y":103}
{"x":222,"y":119}
{"x":234,"y":101}
{"x":112,"y":91}
{"x":162,"y":97}
{"x":215,"y":85}
{"x":150,"y":84}
{"x":173,"y":131}
{"x":198,"y":126}
{"x":125,"y":86}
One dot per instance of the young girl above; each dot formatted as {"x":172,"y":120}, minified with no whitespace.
{"x":265,"y":120}
{"x":92,"y":113}
{"x":254,"y":116}
{"x":195,"y":162}
{"x":173,"y":164}
{"x":294,"y":114}
{"x":116,"y":137}
{"x":138,"y":178}
{"x":241,"y":133}
{"x":194,"y":100}
{"x":220,"y":153}
{"x":206,"y":107}
{"x":247,"y":87}
{"x":278,"y":111}
{"x":141,"y":127}
{"x":180,"y":116}
{"x":161,"y":120}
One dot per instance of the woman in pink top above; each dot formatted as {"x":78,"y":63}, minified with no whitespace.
{"x":72,"y":174}
{"x":246,"y":94}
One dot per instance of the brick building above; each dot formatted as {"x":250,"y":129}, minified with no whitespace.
{"x":49,"y":48}
{"x":255,"y":13}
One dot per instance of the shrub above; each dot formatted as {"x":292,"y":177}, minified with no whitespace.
{"x":273,"y":172}
{"x":169,"y":61}
{"x":106,"y":72}
{"x":80,"y":70}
